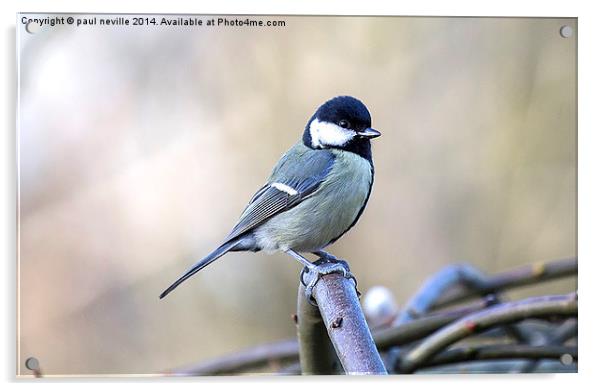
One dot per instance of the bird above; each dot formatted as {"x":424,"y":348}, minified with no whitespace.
{"x":315,"y":194}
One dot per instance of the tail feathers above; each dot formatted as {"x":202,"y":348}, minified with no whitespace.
{"x":217,"y":253}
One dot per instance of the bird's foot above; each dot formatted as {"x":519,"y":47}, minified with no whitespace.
{"x":323,"y":266}
{"x":329,"y":257}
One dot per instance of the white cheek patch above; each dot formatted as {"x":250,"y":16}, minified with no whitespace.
{"x":285,"y":188}
{"x":326,"y":134}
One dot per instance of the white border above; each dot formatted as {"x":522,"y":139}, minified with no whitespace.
{"x":589,"y":197}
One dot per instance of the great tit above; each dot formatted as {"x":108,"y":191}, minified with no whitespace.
{"x":316,"y":193}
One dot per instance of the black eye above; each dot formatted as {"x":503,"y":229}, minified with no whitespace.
{"x":344,"y":123}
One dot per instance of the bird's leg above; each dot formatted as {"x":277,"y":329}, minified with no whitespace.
{"x":327,"y":264}
{"x":304,"y":261}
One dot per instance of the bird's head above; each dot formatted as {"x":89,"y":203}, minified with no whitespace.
{"x":342,"y":122}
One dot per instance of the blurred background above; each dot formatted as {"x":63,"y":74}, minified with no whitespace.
{"x":140,"y":146}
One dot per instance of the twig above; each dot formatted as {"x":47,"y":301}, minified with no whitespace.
{"x":525,"y":275}
{"x":420,"y":328}
{"x":292,"y":369}
{"x":284,"y":351}
{"x":316,"y":353}
{"x":499,"y":366}
{"x":500,"y":352}
{"x":566,"y":330}
{"x":468,"y":282}
{"x":432,"y":290}
{"x":288,"y":350}
{"x":523,"y":334}
{"x":344,"y":320}
{"x":494,"y":316}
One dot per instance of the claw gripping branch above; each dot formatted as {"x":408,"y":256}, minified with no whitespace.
{"x":310,"y":276}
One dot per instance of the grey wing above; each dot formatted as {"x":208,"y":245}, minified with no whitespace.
{"x":293,"y":180}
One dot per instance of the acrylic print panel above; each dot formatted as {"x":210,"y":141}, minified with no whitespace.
{"x":143,"y":137}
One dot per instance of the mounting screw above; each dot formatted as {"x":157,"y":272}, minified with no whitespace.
{"x":566,"y":359}
{"x":32,"y":27}
{"x":566,"y":31}
{"x":32,"y":364}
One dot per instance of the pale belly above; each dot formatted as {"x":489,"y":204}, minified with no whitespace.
{"x":326,"y":214}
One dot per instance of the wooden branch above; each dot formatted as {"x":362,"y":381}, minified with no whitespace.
{"x":292,"y":369}
{"x":487,"y":355}
{"x":346,"y":325}
{"x":420,"y":328}
{"x":559,"y":336}
{"x":499,"y":366}
{"x":564,"y":332}
{"x":524,"y":275}
{"x":500,"y":314}
{"x":287,"y":351}
{"x":500,"y":352}
{"x":431,"y":291}
{"x":458,"y":282}
{"x":316,"y":353}
{"x":283,"y":352}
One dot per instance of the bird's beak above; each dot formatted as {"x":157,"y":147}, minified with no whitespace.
{"x":369,"y":133}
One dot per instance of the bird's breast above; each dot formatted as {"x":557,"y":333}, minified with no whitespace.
{"x":327,"y":213}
